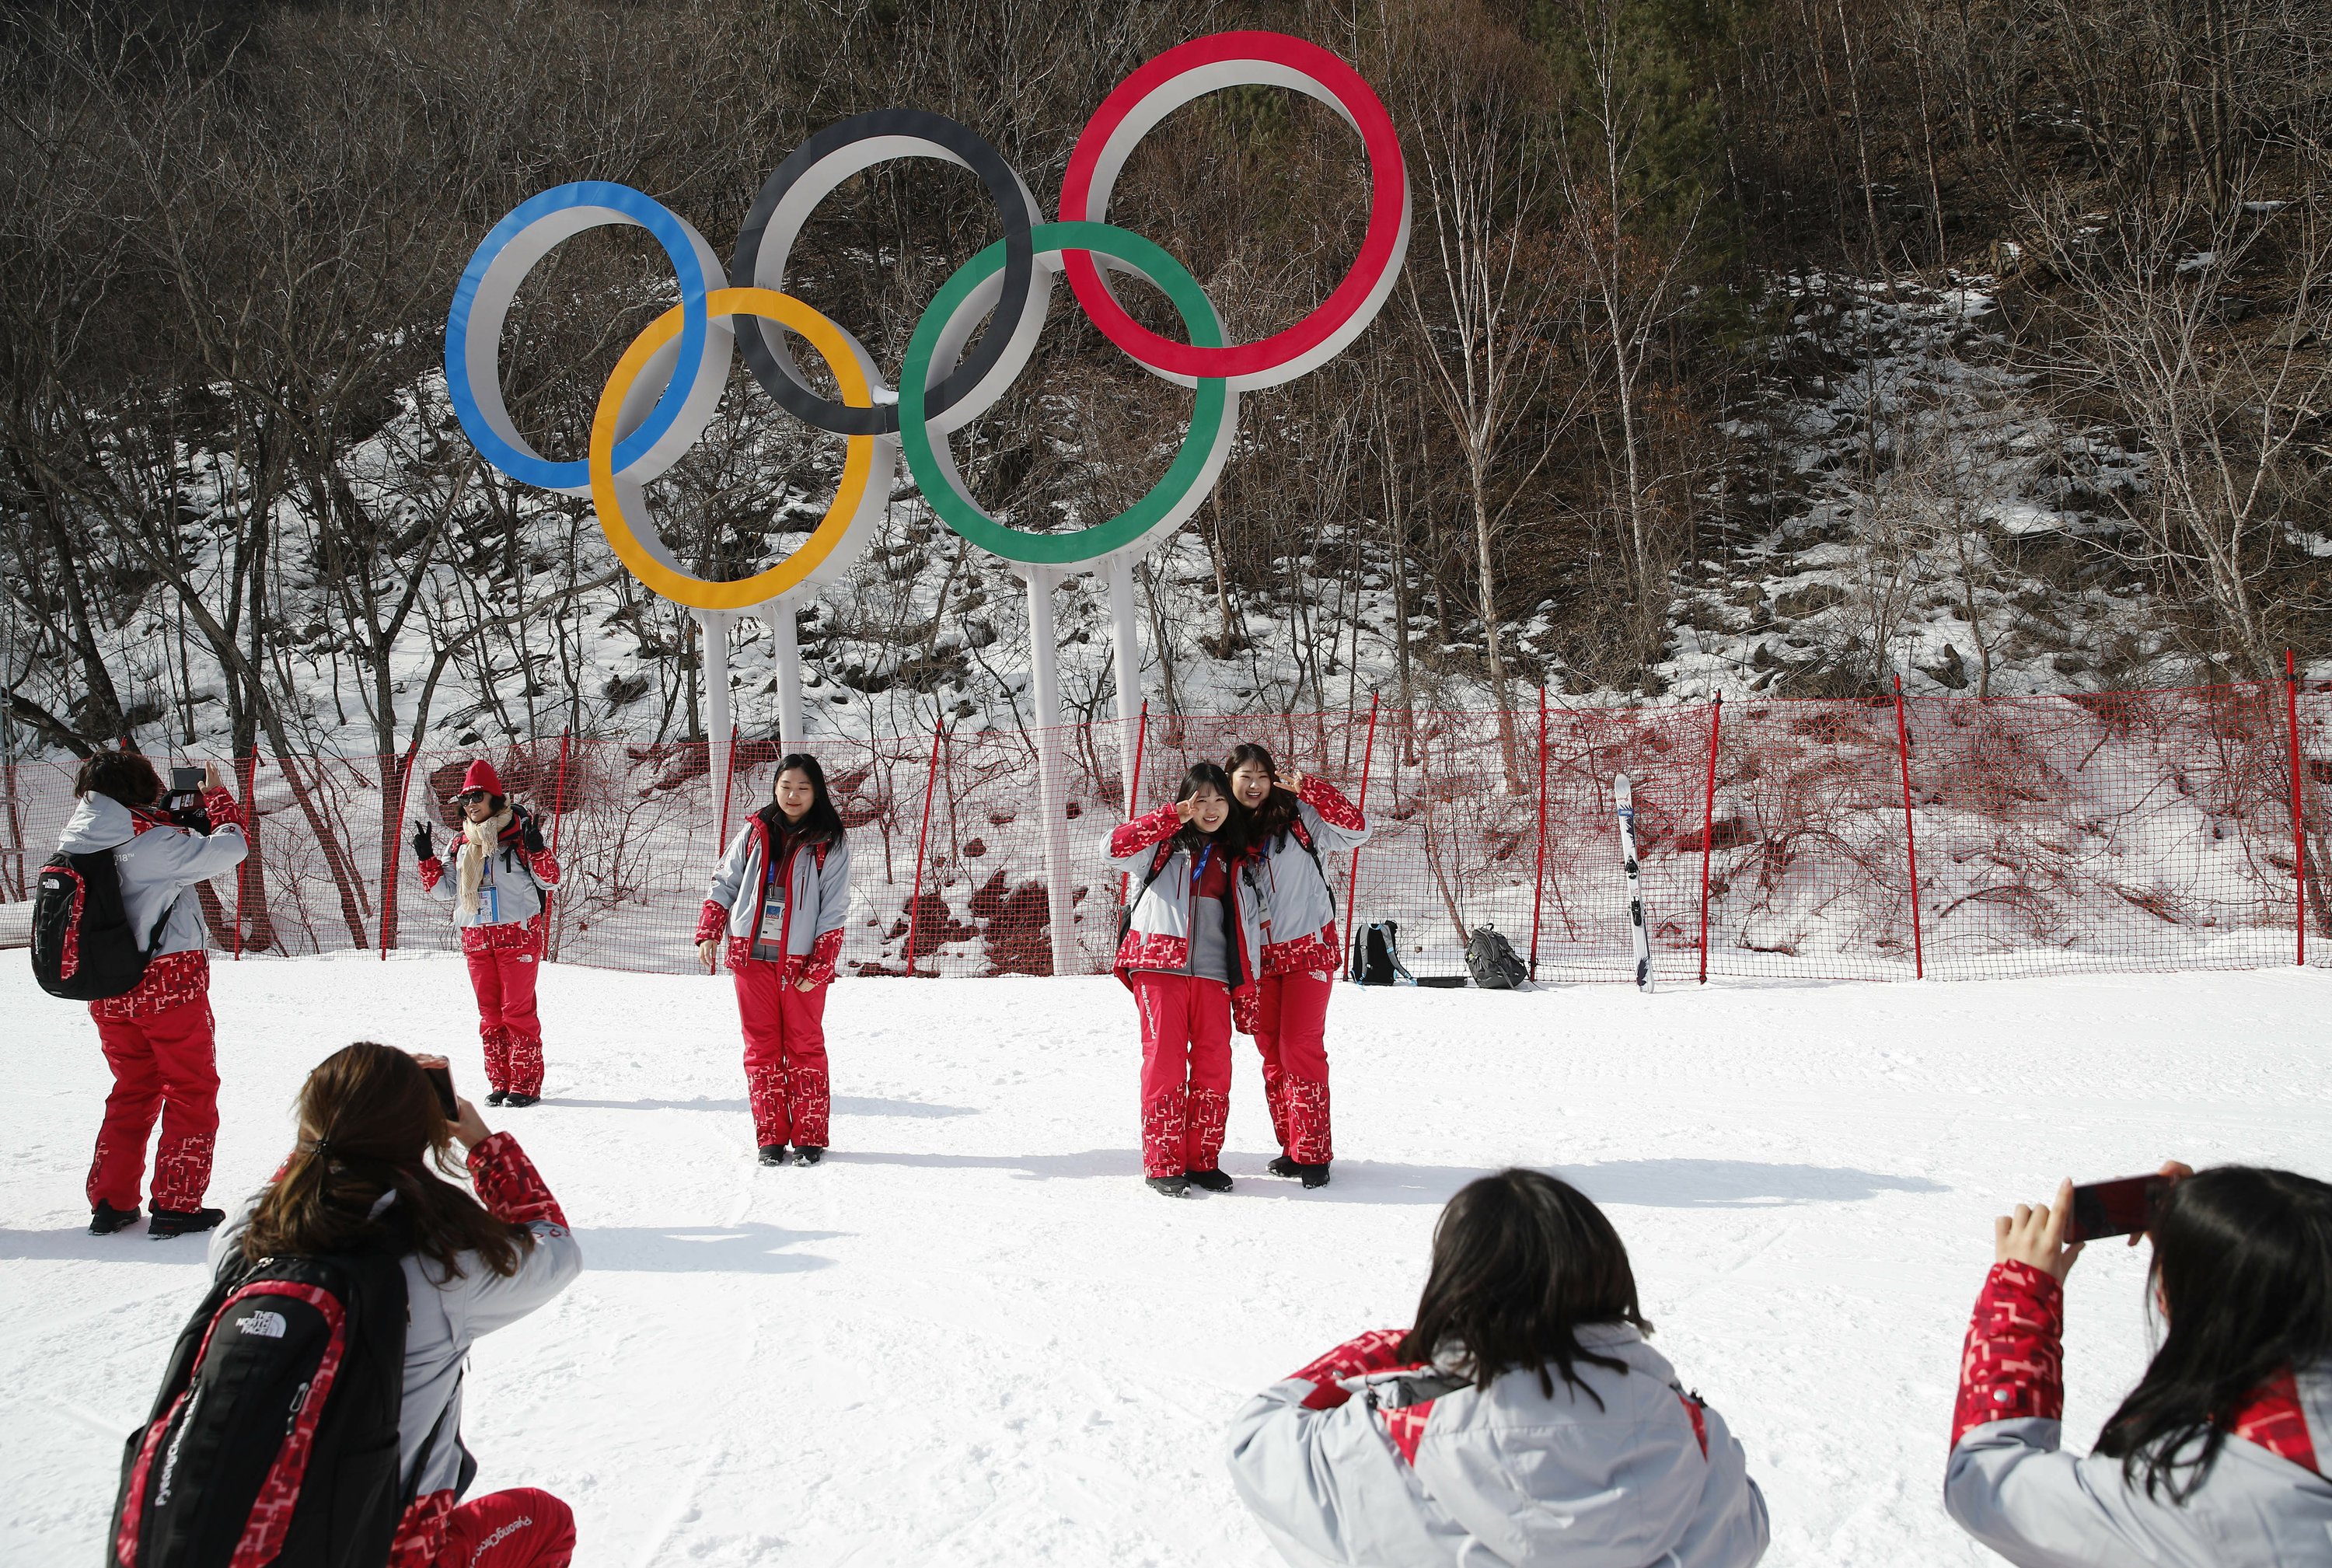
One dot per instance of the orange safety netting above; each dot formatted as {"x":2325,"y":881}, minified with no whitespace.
{"x":2175,"y":830}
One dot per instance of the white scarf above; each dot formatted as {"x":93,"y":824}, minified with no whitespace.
{"x":478,"y":841}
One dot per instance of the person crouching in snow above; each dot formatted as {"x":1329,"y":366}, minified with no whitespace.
{"x":159,"y":1037}
{"x":500,"y":869}
{"x":780,"y":896}
{"x":2219,"y":1456}
{"x":1297,"y":819}
{"x":1522,"y":1419}
{"x":370,"y":1128}
{"x":1187,"y":954}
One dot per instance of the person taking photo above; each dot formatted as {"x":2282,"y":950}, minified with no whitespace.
{"x":159,"y":1038}
{"x":2217,"y":1458}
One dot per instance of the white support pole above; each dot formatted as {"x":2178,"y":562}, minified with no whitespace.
{"x":714,"y":625}
{"x":782,"y":614}
{"x":1045,"y":694}
{"x":1126,"y":652}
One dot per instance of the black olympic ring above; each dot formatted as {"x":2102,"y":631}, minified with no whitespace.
{"x":818,"y":167}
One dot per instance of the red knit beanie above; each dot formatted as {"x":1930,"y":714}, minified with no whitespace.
{"x":481,"y":776}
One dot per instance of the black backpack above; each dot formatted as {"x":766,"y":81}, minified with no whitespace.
{"x":1376,"y":955}
{"x":274,"y":1437}
{"x":83,"y":948}
{"x":1492,"y":960}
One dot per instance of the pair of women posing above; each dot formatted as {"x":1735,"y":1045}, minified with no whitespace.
{"x":1231,"y":919}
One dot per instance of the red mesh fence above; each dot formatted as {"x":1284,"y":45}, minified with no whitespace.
{"x":2130,"y":830}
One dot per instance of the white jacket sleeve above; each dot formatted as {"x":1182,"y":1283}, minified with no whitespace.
{"x":834,"y":888}
{"x":729,"y":876}
{"x":2010,"y":1486}
{"x":1328,"y":1487}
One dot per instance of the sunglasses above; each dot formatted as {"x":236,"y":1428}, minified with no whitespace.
{"x":470,"y":796}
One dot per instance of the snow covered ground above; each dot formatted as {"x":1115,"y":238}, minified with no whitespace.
{"x":973,"y":1337}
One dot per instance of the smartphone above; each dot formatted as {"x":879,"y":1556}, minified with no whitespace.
{"x":185,"y":781}
{"x":2122,"y":1208}
{"x":442,"y":1080}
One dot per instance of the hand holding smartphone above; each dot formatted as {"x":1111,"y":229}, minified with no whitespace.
{"x":440,"y":1074}
{"x":2121,"y":1208}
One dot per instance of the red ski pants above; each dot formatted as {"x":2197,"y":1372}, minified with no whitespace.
{"x":508,"y":1026}
{"x":1186,"y":1071}
{"x":164,"y":1062}
{"x":785,"y":1056}
{"x":1291,"y":1027}
{"x":524,"y":1527}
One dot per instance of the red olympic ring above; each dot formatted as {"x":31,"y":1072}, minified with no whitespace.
{"x":1164,"y":84}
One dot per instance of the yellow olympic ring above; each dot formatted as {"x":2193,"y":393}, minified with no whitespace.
{"x":652,"y":562}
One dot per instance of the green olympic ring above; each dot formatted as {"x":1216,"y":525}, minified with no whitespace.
{"x":947,"y":322}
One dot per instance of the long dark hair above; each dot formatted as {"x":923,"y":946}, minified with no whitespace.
{"x":821,"y":824}
{"x":1277,"y":815}
{"x":1521,"y":1260}
{"x":1234,"y":835}
{"x":2242,"y":1257}
{"x":369,"y":1123}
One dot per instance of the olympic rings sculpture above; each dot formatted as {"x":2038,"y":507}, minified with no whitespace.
{"x":664,"y":391}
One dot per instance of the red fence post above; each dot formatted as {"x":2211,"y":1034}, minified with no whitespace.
{"x":1133,"y":792}
{"x":1910,"y":839}
{"x":558,"y":797}
{"x":250,"y":836}
{"x":922,"y":837}
{"x":396,"y":838}
{"x":728,"y":779}
{"x":1538,"y":877}
{"x":1352,"y":876}
{"x":1708,"y":826}
{"x":2299,"y":834}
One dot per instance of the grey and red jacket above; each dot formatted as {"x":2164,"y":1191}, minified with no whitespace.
{"x":445,"y":1314}
{"x":158,"y":863}
{"x":1158,"y":938}
{"x":1293,"y":904}
{"x":1359,"y":1458}
{"x":518,"y":877}
{"x":818,"y":900}
{"x":2264,"y":1503}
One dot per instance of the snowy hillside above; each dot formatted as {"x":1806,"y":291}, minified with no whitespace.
{"x":973,"y":1338}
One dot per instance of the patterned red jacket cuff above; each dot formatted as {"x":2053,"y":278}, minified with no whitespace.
{"x":1143,"y":831}
{"x":431,"y":870}
{"x":1329,"y":803}
{"x":223,"y":808}
{"x":824,"y":953}
{"x":545,"y":866}
{"x":2014,"y":1364}
{"x":710,"y":921}
{"x":508,"y":1183}
{"x":421,"y":1533}
{"x":1378,"y":1350}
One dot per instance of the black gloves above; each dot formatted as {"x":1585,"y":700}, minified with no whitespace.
{"x":421,"y":850}
{"x":530,"y":832}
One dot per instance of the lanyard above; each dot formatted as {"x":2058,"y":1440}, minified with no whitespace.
{"x":1198,"y":868}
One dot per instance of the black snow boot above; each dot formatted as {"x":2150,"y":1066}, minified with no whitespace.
{"x":1168,"y":1186}
{"x":518,"y":1102}
{"x":1314,"y":1175}
{"x":1209,"y":1180}
{"x":498,"y":1096}
{"x":808,"y":1153}
{"x":182,"y":1221}
{"x":773,"y":1153}
{"x":105,"y":1219}
{"x":1284,"y":1166}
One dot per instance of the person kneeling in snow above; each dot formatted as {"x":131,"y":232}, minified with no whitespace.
{"x":159,"y":1037}
{"x":497,"y":890}
{"x":2217,"y":1458}
{"x":369,"y":1127}
{"x":781,"y":893}
{"x":1522,"y":1419}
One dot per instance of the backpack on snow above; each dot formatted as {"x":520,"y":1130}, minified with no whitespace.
{"x":274,"y":1437}
{"x":1493,"y":961}
{"x":83,"y":948}
{"x":1376,"y":956}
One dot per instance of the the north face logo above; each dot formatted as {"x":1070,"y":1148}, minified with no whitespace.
{"x":268,"y":1325}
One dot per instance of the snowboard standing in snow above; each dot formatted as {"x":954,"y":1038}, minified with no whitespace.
{"x":1623,"y":798}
